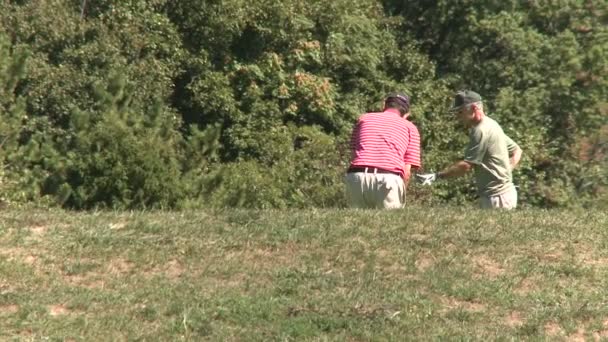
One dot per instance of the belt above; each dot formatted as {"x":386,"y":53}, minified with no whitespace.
{"x":370,"y":170}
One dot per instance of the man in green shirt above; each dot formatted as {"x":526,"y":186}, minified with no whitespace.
{"x":491,"y":153}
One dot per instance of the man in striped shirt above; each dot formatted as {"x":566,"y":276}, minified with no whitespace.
{"x":385,"y":146}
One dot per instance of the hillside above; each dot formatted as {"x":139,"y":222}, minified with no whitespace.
{"x":235,"y":275}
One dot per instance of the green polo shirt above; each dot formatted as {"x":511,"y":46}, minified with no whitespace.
{"x":489,"y":149}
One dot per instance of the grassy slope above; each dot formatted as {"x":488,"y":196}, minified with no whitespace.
{"x":420,"y":273}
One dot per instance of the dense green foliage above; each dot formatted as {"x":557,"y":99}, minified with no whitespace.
{"x":157,"y":103}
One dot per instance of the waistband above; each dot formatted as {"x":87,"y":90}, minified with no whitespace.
{"x":370,"y":169}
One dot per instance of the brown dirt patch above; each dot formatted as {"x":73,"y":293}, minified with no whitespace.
{"x":58,"y":310}
{"x":424,"y":261}
{"x":119,"y":266}
{"x":553,"y":329}
{"x":514,"y":319}
{"x":30,"y":259}
{"x":487,"y":267}
{"x":12,"y":252}
{"x":19,"y":254}
{"x":8,"y":309}
{"x":578,"y":336}
{"x":173,"y":269}
{"x":587,"y":258}
{"x":38,"y":230}
{"x":602,"y":262}
{"x":554,"y":256}
{"x":603,"y":333}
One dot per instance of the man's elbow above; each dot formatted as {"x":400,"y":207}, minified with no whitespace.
{"x":518,"y":152}
{"x":466,"y":166}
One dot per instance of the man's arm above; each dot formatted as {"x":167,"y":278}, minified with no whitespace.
{"x":407,"y":173}
{"x":412,"y":158}
{"x":514,"y":152}
{"x":515,"y":157}
{"x":457,"y":169}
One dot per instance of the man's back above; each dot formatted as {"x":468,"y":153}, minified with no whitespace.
{"x":385,"y":140}
{"x":489,"y":150}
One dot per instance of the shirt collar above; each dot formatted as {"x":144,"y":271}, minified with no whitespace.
{"x":393,"y":110}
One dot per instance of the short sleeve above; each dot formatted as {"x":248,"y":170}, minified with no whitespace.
{"x":511,"y":145}
{"x":412,"y":154}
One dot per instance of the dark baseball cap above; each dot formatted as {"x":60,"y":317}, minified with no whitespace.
{"x":399,"y":98}
{"x":463,"y":98}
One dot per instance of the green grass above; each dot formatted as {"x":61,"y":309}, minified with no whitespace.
{"x":338,"y":275}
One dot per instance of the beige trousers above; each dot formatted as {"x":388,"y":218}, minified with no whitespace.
{"x":506,"y":200}
{"x":369,"y":190}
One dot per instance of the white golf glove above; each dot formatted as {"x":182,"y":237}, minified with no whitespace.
{"x":426,"y":178}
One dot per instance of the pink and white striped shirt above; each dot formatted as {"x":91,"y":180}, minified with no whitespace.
{"x":385,"y":140}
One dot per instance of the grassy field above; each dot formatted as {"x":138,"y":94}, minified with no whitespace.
{"x":335,"y":275}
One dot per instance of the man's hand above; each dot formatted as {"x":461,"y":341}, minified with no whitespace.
{"x":426,"y":178}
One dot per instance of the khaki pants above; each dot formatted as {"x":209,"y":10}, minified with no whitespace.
{"x":369,"y":190}
{"x":506,"y":200}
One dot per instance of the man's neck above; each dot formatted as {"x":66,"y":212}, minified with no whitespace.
{"x":393,"y":110}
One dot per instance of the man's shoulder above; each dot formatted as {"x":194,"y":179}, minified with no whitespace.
{"x":490,"y":122}
{"x":486,"y":124}
{"x":410,"y":125}
{"x":368,"y":115}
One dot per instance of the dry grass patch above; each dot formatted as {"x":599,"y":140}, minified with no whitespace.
{"x":173,"y":269}
{"x":30,"y":259}
{"x":514,"y":319}
{"x":38,"y":230}
{"x":418,"y":237}
{"x":424,"y":260}
{"x":12,"y":253}
{"x":487,"y":267}
{"x":390,"y":263}
{"x":90,"y":281}
{"x":8,"y":309}
{"x":119,"y":266}
{"x":372,"y":311}
{"x":58,"y":310}
{"x":450,"y":303}
{"x":577,"y":336}
{"x":117,"y":225}
{"x":527,"y":285}
{"x":587,"y":257}
{"x":19,"y":254}
{"x":603,"y":333}
{"x":552,"y":329}
{"x":551,"y":253}
{"x":265,"y":258}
